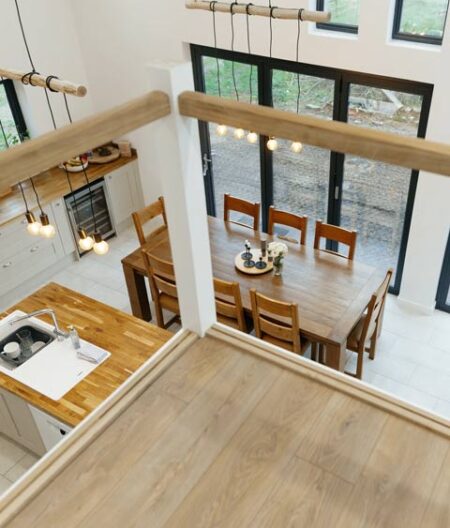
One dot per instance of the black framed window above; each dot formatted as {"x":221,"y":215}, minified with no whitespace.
{"x":374,"y":198}
{"x":420,"y":21}
{"x":344,"y":15}
{"x":443,"y":294}
{"x":13,"y":129}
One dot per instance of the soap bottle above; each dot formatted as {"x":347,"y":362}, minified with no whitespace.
{"x":74,"y":337}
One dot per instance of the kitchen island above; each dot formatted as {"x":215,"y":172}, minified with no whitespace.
{"x":129,"y":340}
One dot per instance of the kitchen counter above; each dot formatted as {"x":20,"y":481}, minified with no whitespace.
{"x":129,"y":340}
{"x":52,"y":184}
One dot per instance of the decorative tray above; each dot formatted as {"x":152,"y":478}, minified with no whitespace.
{"x":253,"y":266}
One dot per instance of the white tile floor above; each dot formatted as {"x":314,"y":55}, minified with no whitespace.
{"x":14,"y":462}
{"x":412,"y":362}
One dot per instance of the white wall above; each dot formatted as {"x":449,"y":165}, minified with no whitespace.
{"x":119,"y":38}
{"x":53,"y":40}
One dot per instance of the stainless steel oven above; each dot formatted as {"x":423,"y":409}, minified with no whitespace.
{"x":79,"y":206}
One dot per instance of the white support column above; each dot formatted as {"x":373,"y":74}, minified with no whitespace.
{"x":177,"y":163}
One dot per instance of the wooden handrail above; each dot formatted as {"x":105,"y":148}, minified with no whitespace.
{"x":34,"y":156}
{"x":413,"y":153}
{"x":277,"y":12}
{"x":40,"y":80}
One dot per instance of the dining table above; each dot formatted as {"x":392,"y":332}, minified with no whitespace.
{"x":331,"y":291}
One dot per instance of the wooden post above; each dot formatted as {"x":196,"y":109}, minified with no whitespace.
{"x":277,"y":12}
{"x":413,"y":153}
{"x":32,"y":157}
{"x":40,"y":80}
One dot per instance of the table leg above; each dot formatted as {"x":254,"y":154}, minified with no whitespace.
{"x":335,"y":356}
{"x":137,"y":293}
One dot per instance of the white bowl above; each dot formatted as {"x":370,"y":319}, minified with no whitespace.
{"x":12,"y":350}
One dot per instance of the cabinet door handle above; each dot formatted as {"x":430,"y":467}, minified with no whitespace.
{"x":34,"y":249}
{"x":7,"y":264}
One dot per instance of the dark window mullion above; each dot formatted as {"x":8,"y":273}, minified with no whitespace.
{"x":266,"y":157}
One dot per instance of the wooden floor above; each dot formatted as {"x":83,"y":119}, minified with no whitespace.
{"x":224,"y":438}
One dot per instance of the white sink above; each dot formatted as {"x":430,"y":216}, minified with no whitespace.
{"x":54,"y":370}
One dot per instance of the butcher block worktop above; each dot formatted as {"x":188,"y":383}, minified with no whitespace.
{"x":52,"y":184}
{"x":130,"y":341}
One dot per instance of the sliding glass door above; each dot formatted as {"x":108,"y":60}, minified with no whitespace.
{"x":377,"y":198}
{"x":374,"y":198}
{"x":301,"y":180}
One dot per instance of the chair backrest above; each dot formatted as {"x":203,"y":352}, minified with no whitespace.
{"x":337,"y":234}
{"x":141,"y":217}
{"x":229,"y":302}
{"x":374,"y":310}
{"x":231,"y":203}
{"x":277,"y":216}
{"x":276,"y":319}
{"x":161,"y":275}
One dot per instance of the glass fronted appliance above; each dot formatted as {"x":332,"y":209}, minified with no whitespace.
{"x":79,"y":207}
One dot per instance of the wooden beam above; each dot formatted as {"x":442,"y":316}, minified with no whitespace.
{"x":34,"y":156}
{"x":413,"y":153}
{"x":277,"y":12}
{"x":40,"y":80}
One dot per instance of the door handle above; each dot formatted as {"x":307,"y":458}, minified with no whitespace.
{"x":206,"y":162}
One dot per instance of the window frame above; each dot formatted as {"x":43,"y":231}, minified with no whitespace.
{"x":343,"y":79}
{"x":397,"y":34}
{"x":16,"y":111}
{"x":444,"y":282}
{"x":342,"y":28}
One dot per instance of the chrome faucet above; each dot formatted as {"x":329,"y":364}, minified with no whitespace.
{"x":60,"y":334}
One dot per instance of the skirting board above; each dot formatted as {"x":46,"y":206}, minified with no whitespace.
{"x":333,"y":379}
{"x":26,"y":488}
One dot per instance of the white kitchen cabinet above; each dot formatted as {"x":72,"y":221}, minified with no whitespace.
{"x":52,"y":431}
{"x":19,"y":424}
{"x":63,"y":226}
{"x":124,"y":193}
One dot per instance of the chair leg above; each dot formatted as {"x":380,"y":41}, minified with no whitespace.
{"x":159,"y":315}
{"x":314,"y":351}
{"x":321,"y":354}
{"x":359,"y":364}
{"x":373,"y":343}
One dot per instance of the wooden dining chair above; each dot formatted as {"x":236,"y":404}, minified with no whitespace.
{"x":231,"y":203}
{"x":145,"y":215}
{"x":336,"y":234}
{"x":365,"y":334}
{"x":229,"y":305}
{"x":277,"y":322}
{"x":279,"y":217}
{"x":163,"y":288}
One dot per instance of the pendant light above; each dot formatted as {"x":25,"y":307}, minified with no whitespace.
{"x":239,"y":133}
{"x":296,"y":146}
{"x":33,"y":226}
{"x":100,"y":246}
{"x":272,"y":143}
{"x":221,"y":130}
{"x":46,"y":229}
{"x":252,"y":137}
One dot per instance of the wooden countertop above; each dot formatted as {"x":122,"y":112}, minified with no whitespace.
{"x":52,"y":184}
{"x":130,"y":341}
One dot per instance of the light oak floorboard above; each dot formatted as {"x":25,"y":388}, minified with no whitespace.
{"x":239,"y":481}
{"x":171,"y":467}
{"x":397,"y":482}
{"x":438,"y":511}
{"x":343,"y":437}
{"x":304,"y":497}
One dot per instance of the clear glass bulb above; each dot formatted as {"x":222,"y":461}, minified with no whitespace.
{"x":86,"y":243}
{"x":252,"y":137}
{"x":101,"y":248}
{"x":239,"y":133}
{"x":221,"y":130}
{"x":272,"y":144}
{"x":296,"y":147}
{"x":47,"y":231}
{"x":34,"y":228}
